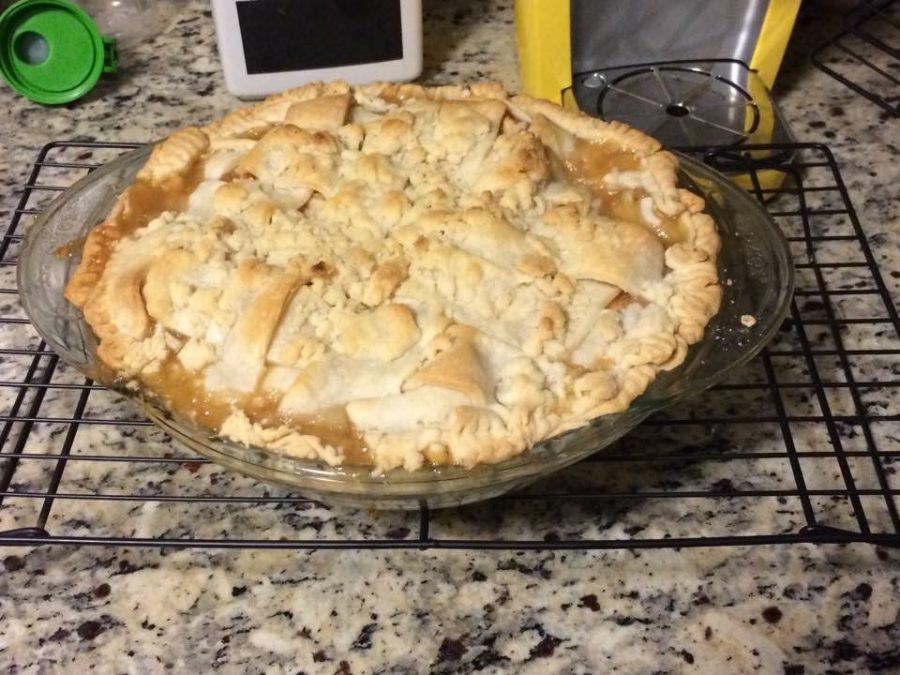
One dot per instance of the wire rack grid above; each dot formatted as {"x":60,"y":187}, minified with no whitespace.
{"x":866,"y":55}
{"x":798,"y":446}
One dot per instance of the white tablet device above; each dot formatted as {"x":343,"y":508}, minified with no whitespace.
{"x":267,"y":46}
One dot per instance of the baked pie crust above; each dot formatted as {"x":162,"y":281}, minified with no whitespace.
{"x":396,"y":275}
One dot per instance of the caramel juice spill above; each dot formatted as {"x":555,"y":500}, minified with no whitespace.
{"x":185,"y":394}
{"x":589,"y":162}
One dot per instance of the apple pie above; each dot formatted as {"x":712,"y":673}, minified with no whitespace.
{"x":399,"y":276}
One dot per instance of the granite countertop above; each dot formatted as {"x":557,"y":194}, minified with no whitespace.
{"x":772,"y":609}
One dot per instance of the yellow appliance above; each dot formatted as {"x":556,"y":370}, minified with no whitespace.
{"x":689,"y":72}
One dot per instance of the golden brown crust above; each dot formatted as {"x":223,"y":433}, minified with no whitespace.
{"x":327,"y":113}
{"x":458,"y":273}
{"x":589,"y":128}
{"x":168,"y":171}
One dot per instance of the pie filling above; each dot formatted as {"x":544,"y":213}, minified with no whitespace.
{"x":394,"y":276}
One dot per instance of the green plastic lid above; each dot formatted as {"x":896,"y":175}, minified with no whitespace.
{"x":51,"y":50}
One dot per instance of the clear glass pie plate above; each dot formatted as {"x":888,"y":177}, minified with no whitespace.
{"x":754,"y":260}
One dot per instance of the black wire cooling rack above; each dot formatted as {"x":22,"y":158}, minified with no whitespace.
{"x":865,"y":56}
{"x":801,"y":445}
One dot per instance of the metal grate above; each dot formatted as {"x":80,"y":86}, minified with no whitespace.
{"x":680,"y":102}
{"x":799,"y":446}
{"x":866,"y":55}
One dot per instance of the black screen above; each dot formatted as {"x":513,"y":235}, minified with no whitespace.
{"x":280,"y":35}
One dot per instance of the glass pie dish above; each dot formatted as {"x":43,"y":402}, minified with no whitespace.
{"x":754,"y":263}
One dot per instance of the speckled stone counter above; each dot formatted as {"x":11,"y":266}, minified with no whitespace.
{"x":718,"y":610}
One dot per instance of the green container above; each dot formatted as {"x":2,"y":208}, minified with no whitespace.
{"x":51,"y":51}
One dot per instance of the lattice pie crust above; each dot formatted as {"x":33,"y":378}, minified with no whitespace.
{"x":397,"y":275}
